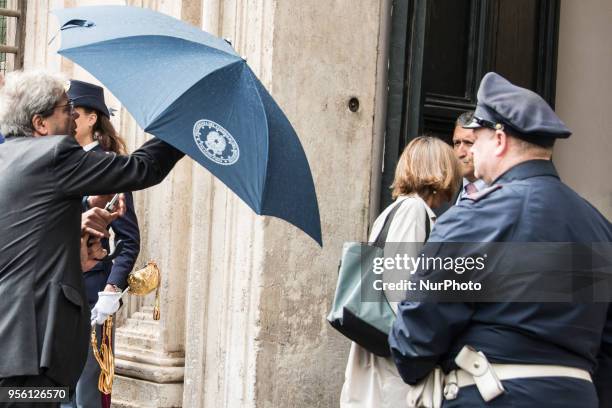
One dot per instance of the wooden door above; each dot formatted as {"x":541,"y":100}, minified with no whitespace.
{"x":448,"y":46}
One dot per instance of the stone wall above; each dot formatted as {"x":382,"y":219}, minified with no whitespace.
{"x":583,"y":93}
{"x":244,"y":298}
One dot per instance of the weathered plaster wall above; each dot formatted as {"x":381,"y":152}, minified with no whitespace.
{"x":245,"y":297}
{"x":324,"y":54}
{"x":262,"y":339}
{"x":583,"y":99}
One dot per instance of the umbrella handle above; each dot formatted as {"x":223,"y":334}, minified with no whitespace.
{"x":72,"y":24}
{"x":77,"y":23}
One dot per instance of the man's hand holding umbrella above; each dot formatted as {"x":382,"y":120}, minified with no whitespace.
{"x":94,"y":227}
{"x":94,"y":224}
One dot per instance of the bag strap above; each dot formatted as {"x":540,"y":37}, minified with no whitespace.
{"x":382,"y":235}
{"x":427,"y":226}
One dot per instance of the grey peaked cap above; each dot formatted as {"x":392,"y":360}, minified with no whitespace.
{"x":524,"y":111}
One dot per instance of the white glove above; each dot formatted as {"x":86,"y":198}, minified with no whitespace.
{"x":107,"y":304}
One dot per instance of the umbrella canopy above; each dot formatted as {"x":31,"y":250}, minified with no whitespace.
{"x":194,"y":91}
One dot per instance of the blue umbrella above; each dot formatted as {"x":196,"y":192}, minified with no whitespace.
{"x":192,"y":90}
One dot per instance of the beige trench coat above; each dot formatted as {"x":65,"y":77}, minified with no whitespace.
{"x":371,"y":381}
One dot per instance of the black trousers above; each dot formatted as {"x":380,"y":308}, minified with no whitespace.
{"x":28,"y":381}
{"x":540,"y":392}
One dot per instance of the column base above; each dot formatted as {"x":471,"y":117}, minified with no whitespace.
{"x":136,"y":393}
{"x":146,"y":376}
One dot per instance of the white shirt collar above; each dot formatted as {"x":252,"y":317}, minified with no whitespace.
{"x":91,"y":145}
{"x":479,"y":183}
{"x":430,"y":213}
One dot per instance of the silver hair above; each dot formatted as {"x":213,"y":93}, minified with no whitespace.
{"x":464,"y":118}
{"x":25,"y":94}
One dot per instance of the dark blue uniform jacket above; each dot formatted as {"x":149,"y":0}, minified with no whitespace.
{"x":533,"y":205}
{"x":116,"y":272}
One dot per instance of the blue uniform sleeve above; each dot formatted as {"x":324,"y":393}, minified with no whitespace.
{"x":125,"y":229}
{"x":603,"y":374}
{"x":422,"y":333}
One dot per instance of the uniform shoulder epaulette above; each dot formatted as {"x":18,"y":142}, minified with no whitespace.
{"x":483,"y":193}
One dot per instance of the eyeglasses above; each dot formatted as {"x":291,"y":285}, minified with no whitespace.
{"x":488,"y":124}
{"x":70,"y":104}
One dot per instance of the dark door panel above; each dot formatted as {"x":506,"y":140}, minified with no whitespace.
{"x":451,"y":44}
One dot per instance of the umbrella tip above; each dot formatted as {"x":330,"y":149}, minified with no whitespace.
{"x":228,"y":40}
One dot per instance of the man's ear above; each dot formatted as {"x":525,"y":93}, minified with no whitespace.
{"x":501,"y":142}
{"x":39,"y":124}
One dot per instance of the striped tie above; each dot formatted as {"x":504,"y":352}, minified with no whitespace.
{"x":470,"y":188}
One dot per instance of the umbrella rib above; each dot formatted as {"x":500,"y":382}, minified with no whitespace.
{"x":187,"y":29}
{"x":212,"y":49}
{"x":97,"y":43}
{"x":265,"y":177}
{"x":162,"y":113}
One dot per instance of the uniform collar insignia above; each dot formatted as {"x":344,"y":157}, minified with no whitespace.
{"x":483,"y":193}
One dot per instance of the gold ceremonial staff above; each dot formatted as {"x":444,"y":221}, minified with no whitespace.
{"x":141,"y":282}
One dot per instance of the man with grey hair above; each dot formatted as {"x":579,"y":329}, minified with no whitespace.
{"x":463,"y":139}
{"x":44,"y":315}
{"x":36,"y":105}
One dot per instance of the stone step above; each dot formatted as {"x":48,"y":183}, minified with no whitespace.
{"x":138,"y":333}
{"x":151,"y":357}
{"x":145,"y":313}
{"x":137,"y":340}
{"x":118,"y":403}
{"x":140,"y":393}
{"x":142,"y":317}
{"x":144,"y":323}
{"x":156,"y":373}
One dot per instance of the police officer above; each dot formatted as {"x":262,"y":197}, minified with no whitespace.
{"x":95,"y":133}
{"x":531,"y":354}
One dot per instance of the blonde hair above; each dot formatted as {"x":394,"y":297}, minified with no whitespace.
{"x":427,"y":166}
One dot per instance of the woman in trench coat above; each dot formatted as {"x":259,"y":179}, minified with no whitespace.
{"x":426,"y":176}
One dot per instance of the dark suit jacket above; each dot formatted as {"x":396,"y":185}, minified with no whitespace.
{"x":116,"y":272}
{"x":448,"y":204}
{"x":44,"y":318}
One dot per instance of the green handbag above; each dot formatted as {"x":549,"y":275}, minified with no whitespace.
{"x":366,"y":323}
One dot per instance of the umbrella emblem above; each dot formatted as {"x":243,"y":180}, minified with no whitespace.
{"x":194,"y":91}
{"x":215,"y":142}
